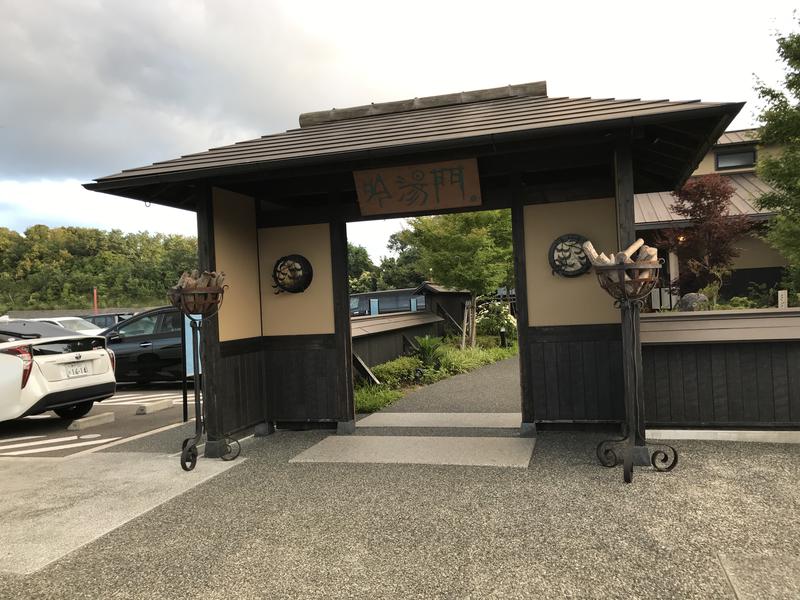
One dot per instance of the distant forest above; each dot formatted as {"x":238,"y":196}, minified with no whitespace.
{"x":58,"y":267}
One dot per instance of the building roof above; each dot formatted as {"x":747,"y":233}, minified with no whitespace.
{"x":502,"y":115}
{"x":435,"y":288}
{"x":654,"y":210}
{"x":739,"y":136}
{"x":371,"y":324}
{"x":401,"y":291}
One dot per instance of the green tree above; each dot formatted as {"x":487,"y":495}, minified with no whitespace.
{"x":363,"y":283}
{"x":780,"y":126}
{"x":58,"y":267}
{"x":358,"y":261}
{"x":405,"y":270}
{"x":361,"y":272}
{"x":470,"y":251}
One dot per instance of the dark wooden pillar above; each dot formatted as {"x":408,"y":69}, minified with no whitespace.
{"x":528,"y":427}
{"x":631,"y":344}
{"x":209,"y":345}
{"x":341,"y":317}
{"x":623,"y":186}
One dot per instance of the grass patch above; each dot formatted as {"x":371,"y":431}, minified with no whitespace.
{"x":372,"y":398}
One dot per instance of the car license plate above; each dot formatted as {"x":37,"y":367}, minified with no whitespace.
{"x":78,"y":369}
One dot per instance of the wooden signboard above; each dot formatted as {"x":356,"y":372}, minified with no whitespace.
{"x":417,"y":188}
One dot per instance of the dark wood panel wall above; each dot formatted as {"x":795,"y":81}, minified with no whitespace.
{"x":279,"y":379}
{"x":576,"y":376}
{"x":575,"y":373}
{"x":723,"y":384}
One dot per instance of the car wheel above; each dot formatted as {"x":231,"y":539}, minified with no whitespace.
{"x":75,"y":411}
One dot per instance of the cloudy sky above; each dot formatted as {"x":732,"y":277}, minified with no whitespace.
{"x":89,"y":87}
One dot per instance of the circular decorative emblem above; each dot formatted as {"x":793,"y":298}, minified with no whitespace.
{"x":567,"y":257}
{"x":292,"y":274}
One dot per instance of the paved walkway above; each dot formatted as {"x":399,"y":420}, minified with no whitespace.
{"x":490,"y":389}
{"x":470,"y":419}
{"x":725,"y":519}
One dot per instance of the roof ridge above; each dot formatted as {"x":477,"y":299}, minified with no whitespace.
{"x":535,"y":89}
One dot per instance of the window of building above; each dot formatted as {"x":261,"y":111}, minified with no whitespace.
{"x":741,"y":159}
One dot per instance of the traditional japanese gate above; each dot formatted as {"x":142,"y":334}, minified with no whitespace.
{"x":561,"y":165}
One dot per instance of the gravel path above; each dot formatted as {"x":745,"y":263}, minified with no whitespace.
{"x":564,"y":527}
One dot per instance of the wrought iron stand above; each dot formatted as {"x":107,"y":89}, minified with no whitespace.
{"x":205,"y":302}
{"x":629,"y":284}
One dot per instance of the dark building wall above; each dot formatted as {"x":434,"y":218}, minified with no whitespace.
{"x":381,"y":347}
{"x":452,"y":303}
{"x":389,"y":301}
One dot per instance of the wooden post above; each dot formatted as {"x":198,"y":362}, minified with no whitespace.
{"x":474,"y":332}
{"x":209,"y":341}
{"x":631,"y":344}
{"x":346,"y":419}
{"x":528,"y":426}
{"x":465,"y":322}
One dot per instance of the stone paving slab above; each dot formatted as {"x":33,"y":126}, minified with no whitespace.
{"x":51,"y":507}
{"x":726,"y":435}
{"x":421,"y":450}
{"x":755,"y":576}
{"x":432,"y":419}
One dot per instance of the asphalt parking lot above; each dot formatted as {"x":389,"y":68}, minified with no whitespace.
{"x":47,"y":436}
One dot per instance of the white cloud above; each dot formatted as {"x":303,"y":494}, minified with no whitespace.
{"x":91,"y":86}
{"x":374,"y":235}
{"x":65,"y":202}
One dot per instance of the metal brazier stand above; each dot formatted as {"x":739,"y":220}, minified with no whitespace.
{"x":206,"y":303}
{"x":629,"y":284}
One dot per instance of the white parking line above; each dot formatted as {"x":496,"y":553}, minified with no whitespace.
{"x":151,"y":395}
{"x":3,"y":447}
{"x":126,"y":398}
{"x":19,"y":439}
{"x":119,"y":441}
{"x":135,"y":401}
{"x":59,"y":447}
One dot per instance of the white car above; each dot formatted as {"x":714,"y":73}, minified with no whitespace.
{"x":42,"y":369}
{"x":73,"y":324}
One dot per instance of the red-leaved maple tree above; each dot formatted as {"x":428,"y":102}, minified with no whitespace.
{"x":706,"y":248}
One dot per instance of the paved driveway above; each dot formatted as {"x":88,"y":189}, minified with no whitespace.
{"x":563,"y":527}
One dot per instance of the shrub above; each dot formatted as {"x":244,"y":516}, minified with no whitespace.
{"x":455,"y":360}
{"x":398,"y":372}
{"x":371,"y":398}
{"x":429,"y":351}
{"x":487,"y":341}
{"x":738,"y":302}
{"x":498,"y":353}
{"x":431,"y":375}
{"x":492,"y":316}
